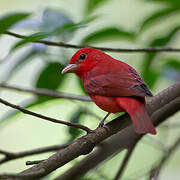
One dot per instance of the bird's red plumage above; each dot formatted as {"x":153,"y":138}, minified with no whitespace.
{"x":114,"y":86}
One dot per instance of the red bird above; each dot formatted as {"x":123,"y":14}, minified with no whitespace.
{"x":113,"y":85}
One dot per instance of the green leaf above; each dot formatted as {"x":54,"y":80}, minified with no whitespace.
{"x":90,"y":19}
{"x":10,"y":19}
{"x":72,"y":27}
{"x":32,"y":38}
{"x":91,"y":5}
{"x":172,"y":62}
{"x":50,"y":78}
{"x":158,"y":16}
{"x":75,"y":118}
{"x":67,"y":28}
{"x":41,"y":35}
{"x":163,"y":41}
{"x":108,"y":33}
{"x":150,"y":76}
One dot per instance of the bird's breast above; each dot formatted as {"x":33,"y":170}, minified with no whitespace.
{"x":108,"y":104}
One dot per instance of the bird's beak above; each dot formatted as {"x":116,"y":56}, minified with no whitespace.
{"x":70,"y":68}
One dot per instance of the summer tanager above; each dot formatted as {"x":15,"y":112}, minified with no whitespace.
{"x":113,"y":85}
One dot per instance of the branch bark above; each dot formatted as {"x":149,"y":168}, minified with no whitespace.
{"x":122,"y":50}
{"x":25,"y":111}
{"x":160,"y":107}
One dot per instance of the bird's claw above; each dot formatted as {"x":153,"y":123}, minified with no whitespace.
{"x":101,"y":124}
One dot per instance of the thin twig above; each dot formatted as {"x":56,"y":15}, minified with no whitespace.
{"x":52,"y":93}
{"x":25,"y":111}
{"x":11,"y":156}
{"x":155,"y":172}
{"x":46,"y":92}
{"x":33,"y":162}
{"x":5,"y":153}
{"x":125,"y":161}
{"x":125,"y":50}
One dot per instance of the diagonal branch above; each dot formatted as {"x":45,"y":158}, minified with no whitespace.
{"x":156,"y":171}
{"x":125,"y":50}
{"x":11,"y":156}
{"x":161,"y":106}
{"x":46,"y":92}
{"x":25,"y":111}
{"x":125,"y":161}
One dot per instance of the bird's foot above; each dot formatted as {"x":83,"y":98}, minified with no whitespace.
{"x":101,"y":124}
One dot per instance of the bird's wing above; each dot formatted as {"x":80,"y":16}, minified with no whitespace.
{"x":125,"y":82}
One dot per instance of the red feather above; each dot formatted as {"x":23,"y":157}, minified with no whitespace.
{"x":135,"y":107}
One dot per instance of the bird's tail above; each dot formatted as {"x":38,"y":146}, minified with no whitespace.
{"x":135,"y":107}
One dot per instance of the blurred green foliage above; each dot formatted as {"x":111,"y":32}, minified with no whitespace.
{"x":91,"y":5}
{"x":57,"y":25}
{"x":108,"y":33}
{"x":75,"y":118}
{"x":150,"y":75}
{"x":50,"y":74}
{"x":9,"y":20}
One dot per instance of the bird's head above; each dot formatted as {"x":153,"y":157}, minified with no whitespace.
{"x":83,"y":61}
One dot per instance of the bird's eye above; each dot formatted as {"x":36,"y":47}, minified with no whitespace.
{"x":82,"y":56}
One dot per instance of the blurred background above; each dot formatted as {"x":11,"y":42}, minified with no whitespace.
{"x":106,"y":23}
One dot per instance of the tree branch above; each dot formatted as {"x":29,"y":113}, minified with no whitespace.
{"x":109,"y":148}
{"x":125,"y":50}
{"x":25,"y":111}
{"x":161,"y":106}
{"x":156,"y":142}
{"x":46,"y":92}
{"x":11,"y":156}
{"x":167,"y":103}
